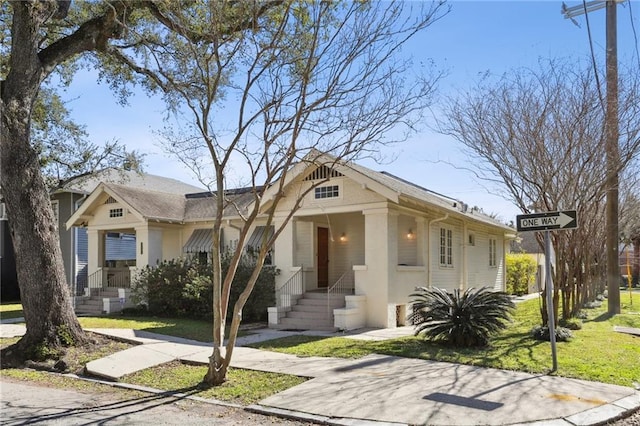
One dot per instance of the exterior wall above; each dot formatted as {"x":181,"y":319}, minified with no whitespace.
{"x":480,"y":274}
{"x":344,"y":252}
{"x":407,"y":241}
{"x":172,"y":243}
{"x":102,"y":221}
{"x":66,"y":207}
{"x":447,"y":277}
{"x":351,"y":193}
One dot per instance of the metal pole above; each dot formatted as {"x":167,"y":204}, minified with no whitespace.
{"x":613,"y":162}
{"x":551,"y":322}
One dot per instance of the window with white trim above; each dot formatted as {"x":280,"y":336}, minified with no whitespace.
{"x":119,"y":212}
{"x":329,"y":191}
{"x":492,"y":252}
{"x":446,"y":247}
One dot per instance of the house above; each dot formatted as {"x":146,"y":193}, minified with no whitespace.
{"x":9,"y":290}
{"x":350,"y":256}
{"x":119,"y":246}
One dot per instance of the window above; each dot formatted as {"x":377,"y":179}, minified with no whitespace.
{"x":116,"y":212}
{"x":330,"y":191}
{"x":492,"y":252}
{"x":56,"y":211}
{"x":446,"y":247}
{"x":203,"y":257}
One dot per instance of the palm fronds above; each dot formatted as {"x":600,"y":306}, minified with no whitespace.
{"x":458,"y":318}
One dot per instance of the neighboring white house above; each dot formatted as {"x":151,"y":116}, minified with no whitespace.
{"x":350,"y":257}
{"x":119,"y":247}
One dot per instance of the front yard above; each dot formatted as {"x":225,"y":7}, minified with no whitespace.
{"x":596,"y":352}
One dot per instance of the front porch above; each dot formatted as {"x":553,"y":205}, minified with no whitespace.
{"x":105,"y":291}
{"x":371,"y":261}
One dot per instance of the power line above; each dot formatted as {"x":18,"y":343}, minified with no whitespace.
{"x":593,"y":57}
{"x":635,"y":35}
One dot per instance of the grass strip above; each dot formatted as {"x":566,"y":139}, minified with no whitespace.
{"x":242,"y":387}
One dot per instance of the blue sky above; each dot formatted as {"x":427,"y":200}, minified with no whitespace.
{"x":476,"y":37}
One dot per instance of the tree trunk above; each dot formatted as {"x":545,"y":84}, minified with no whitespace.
{"x":45,"y":294}
{"x":218,"y":366}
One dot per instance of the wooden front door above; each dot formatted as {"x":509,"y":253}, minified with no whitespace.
{"x":323,"y":257}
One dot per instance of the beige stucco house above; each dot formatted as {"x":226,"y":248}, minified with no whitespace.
{"x":352,"y":254}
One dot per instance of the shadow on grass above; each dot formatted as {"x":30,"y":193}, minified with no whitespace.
{"x":605,"y":316}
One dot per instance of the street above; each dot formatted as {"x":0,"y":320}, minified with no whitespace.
{"x":24,"y":404}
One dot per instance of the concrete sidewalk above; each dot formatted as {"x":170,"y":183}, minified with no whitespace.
{"x":380,"y":389}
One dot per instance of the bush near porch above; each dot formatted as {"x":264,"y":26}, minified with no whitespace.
{"x":521,"y":271}
{"x":183,"y":288}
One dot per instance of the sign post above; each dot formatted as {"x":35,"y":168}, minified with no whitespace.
{"x":559,"y":220}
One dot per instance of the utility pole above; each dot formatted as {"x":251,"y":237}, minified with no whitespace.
{"x":613,"y":161}
{"x":612,"y":149}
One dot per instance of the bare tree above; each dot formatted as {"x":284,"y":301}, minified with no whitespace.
{"x":540,"y":135}
{"x":42,"y":37}
{"x":311,"y":78}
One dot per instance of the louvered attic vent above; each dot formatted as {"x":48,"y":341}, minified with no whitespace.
{"x":110,"y":200}
{"x":323,"y":172}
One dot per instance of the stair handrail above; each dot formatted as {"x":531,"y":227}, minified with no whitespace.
{"x":95,"y":283}
{"x":344,"y":285}
{"x":293,"y":287}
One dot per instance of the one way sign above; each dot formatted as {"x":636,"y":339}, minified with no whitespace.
{"x":567,"y":219}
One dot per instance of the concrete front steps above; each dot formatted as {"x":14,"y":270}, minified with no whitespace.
{"x":311,"y":312}
{"x":94,"y":305}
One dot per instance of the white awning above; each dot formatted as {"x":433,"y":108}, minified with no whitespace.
{"x":200,"y":241}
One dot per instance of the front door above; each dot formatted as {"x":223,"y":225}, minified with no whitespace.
{"x":323,"y":257}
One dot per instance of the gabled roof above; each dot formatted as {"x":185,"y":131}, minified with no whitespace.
{"x":164,"y":206}
{"x":86,"y":184}
{"x":392,"y":187}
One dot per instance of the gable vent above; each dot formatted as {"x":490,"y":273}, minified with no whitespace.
{"x":110,"y":200}
{"x":323,"y":172}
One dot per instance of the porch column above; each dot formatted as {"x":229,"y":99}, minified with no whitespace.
{"x":381,"y":258}
{"x":422,"y":242}
{"x":148,"y":246}
{"x":284,"y":249}
{"x":95,"y":246}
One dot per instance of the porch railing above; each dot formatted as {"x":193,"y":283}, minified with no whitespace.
{"x":120,"y":279}
{"x":103,"y":279}
{"x":94,"y":284}
{"x":292,"y":289}
{"x":344,"y":286}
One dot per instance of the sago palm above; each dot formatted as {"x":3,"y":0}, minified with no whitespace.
{"x":458,"y":318}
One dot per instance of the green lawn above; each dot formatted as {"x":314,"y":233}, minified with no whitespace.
{"x":595,"y":353}
{"x":242,"y":386}
{"x":10,"y":310}
{"x":179,"y":327}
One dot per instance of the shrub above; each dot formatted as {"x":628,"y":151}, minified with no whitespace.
{"x":593,"y":305}
{"x":571,"y":323}
{"x":540,"y":332}
{"x":183,"y":288}
{"x":521,"y":272}
{"x":462,"y":319}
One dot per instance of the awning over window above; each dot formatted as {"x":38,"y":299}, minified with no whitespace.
{"x":255,"y":241}
{"x":200,"y":241}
